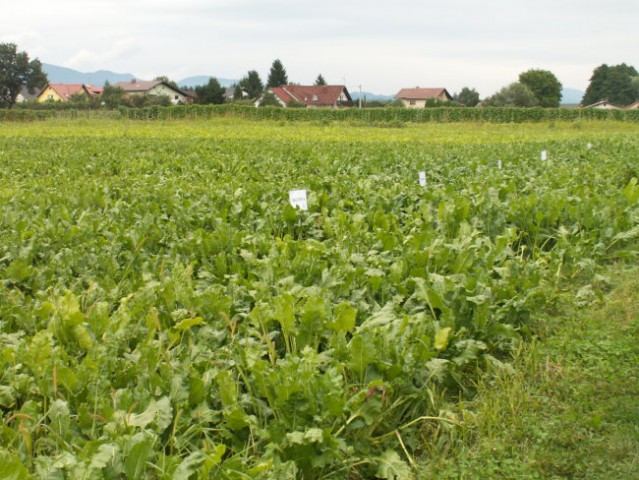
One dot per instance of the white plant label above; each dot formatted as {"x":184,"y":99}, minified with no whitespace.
{"x":544,"y":155}
{"x":499,"y":164}
{"x":422,"y":179}
{"x":589,"y":146}
{"x":298,"y":199}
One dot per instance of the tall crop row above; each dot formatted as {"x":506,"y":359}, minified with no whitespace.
{"x":368,"y":115}
{"x":165,"y":313}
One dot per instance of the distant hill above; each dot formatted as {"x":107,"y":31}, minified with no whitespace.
{"x":371,"y":97}
{"x":203,"y":80}
{"x":58,"y":74}
{"x":571,"y":96}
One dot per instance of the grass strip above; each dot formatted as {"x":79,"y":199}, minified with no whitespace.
{"x":569,"y":408}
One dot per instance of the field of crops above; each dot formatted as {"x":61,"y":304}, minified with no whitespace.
{"x":166,"y":313}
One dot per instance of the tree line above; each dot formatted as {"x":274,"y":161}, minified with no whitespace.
{"x":618,"y":84}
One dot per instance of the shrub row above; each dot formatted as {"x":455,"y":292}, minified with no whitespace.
{"x":372,"y":115}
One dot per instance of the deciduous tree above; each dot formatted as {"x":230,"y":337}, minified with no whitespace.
{"x":468,"y":97}
{"x":211,"y":93}
{"x":514,"y":95}
{"x":544,"y":85}
{"x":269,"y":100}
{"x":165,"y":79}
{"x":112,"y":96}
{"x":614,"y":84}
{"x":16,"y":71}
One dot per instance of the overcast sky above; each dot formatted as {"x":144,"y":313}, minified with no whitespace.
{"x":382,"y":46}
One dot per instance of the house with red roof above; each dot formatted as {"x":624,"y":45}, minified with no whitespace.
{"x":154,"y":87}
{"x":418,"y":97}
{"x":62,"y":92}
{"x":311,"y":96}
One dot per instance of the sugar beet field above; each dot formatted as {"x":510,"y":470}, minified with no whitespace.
{"x":166,"y":313}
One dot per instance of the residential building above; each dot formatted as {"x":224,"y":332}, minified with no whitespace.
{"x":62,"y":92}
{"x":154,"y":87}
{"x":24,"y":94}
{"x":418,"y":97}
{"x":604,"y":105}
{"x":311,"y":96}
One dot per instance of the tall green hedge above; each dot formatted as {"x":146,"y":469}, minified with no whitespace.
{"x":369,"y":115}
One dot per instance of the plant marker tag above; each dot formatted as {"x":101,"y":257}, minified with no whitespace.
{"x":544,"y":155}
{"x":298,"y":199}
{"x":588,"y":146}
{"x":422,"y":179}
{"x":499,"y":164}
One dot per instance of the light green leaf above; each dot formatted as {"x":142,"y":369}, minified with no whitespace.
{"x":381,"y":319}
{"x":285,"y":312}
{"x":18,"y":270}
{"x":237,"y":419}
{"x":187,"y":323}
{"x":344,"y":318}
{"x":189,"y":466}
{"x":391,"y":466}
{"x":290,"y":215}
{"x":295,"y":438}
{"x":312,"y":435}
{"x":11,"y":468}
{"x":7,"y":396}
{"x":631,"y":191}
{"x":362,"y":352}
{"x":228,"y":388}
{"x":437,"y":368}
{"x":158,"y":412}
{"x":69,"y":310}
{"x":135,"y":461}
{"x":104,"y":456}
{"x":59,"y":417}
{"x":470,"y":351}
{"x":441,"y":338}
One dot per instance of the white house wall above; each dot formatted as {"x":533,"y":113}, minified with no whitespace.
{"x":174,"y":96}
{"x":415,"y":104}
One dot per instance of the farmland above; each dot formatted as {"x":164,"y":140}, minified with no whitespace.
{"x":166,"y":313}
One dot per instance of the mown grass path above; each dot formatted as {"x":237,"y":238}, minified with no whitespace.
{"x":571,"y":410}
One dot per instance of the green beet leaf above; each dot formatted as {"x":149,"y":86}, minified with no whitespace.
{"x":11,"y":468}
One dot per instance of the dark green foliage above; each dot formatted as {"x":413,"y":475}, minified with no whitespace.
{"x":238,"y":93}
{"x":165,"y":79}
{"x":438,"y":102}
{"x":142,"y":101}
{"x":544,"y":85}
{"x":210,"y":94}
{"x":468,"y":97}
{"x":269,"y":100}
{"x":320,"y":80}
{"x":277,"y":75}
{"x":16,"y":71}
{"x":514,"y":95}
{"x":612,"y":83}
{"x":252,"y":83}
{"x":394,"y":114}
{"x":112,"y":97}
